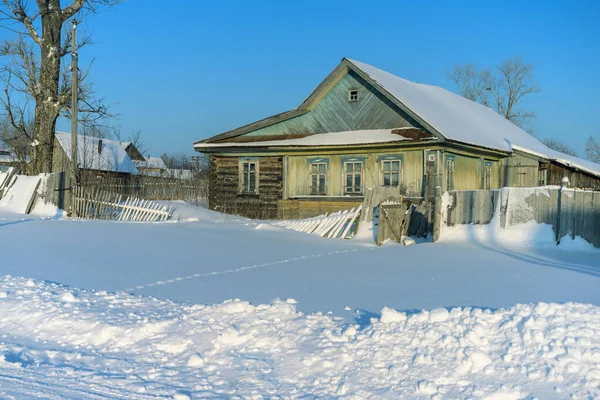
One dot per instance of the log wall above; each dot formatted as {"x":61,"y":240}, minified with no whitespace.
{"x":224,"y":187}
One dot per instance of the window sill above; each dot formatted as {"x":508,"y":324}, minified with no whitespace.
{"x":248,"y":194}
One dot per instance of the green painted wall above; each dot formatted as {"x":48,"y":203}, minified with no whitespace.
{"x":334,"y":113}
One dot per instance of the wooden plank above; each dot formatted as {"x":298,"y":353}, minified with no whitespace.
{"x":346,"y":232}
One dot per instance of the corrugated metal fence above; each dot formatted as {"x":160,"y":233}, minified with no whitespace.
{"x":571,"y":212}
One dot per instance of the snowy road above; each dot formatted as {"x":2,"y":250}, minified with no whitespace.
{"x":92,"y":309}
{"x":208,"y":262}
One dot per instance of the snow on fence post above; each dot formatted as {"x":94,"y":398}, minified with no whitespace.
{"x":437,"y":214}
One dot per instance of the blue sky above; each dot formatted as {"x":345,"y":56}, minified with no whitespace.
{"x":194,"y":68}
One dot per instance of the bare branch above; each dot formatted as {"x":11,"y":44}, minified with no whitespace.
{"x":592,"y":149}
{"x":18,"y":13}
{"x":559,"y":146}
{"x":504,"y":92}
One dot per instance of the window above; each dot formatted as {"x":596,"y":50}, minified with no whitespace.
{"x":542,"y":177}
{"x":352,"y":95}
{"x":487,"y":176}
{"x":353,"y":182}
{"x":318,"y":178}
{"x":450,"y":173}
{"x":390,"y":172}
{"x":248,"y":178}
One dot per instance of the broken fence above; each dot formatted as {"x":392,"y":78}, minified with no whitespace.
{"x":98,"y":204}
{"x":337,"y":225}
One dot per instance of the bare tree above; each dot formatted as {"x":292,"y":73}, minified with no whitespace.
{"x":472,"y":84}
{"x":16,"y":140}
{"x":503,"y":91}
{"x":559,"y":146}
{"x":592,"y":149}
{"x":135,"y":137}
{"x":36,"y":71}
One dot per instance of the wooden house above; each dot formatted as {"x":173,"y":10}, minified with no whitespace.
{"x":151,"y":166}
{"x":101,"y":156}
{"x":363,"y":127}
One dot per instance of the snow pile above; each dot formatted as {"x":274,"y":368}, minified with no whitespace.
{"x":82,"y":344}
{"x":19,"y":195}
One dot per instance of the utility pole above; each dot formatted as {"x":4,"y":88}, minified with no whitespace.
{"x":74,"y":102}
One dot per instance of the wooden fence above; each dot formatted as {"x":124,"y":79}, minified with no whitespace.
{"x":338,"y":225}
{"x":471,"y":206}
{"x":96,"y":204}
{"x":58,"y":188}
{"x":572,"y":212}
{"x":147,"y":187}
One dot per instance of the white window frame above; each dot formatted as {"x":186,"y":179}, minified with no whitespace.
{"x":391,"y":172}
{"x":351,"y":98}
{"x":318,"y":174}
{"x":450,"y":173}
{"x":246,"y":185}
{"x":354,"y":175}
{"x":542,"y":177}
{"x":487,"y":176}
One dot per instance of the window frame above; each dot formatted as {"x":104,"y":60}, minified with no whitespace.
{"x":450,"y":160}
{"x":350,"y":97}
{"x":243,"y":187}
{"x":543,"y":172}
{"x":487,"y":178}
{"x":345,"y":164}
{"x":391,"y":159}
{"x":318,"y":173}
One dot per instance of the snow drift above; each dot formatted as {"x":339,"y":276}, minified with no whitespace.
{"x":84,"y":344}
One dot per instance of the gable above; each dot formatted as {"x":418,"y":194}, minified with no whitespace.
{"x":334,"y":113}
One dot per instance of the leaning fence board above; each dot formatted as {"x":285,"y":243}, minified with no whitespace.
{"x":334,"y":225}
{"x":97,"y":204}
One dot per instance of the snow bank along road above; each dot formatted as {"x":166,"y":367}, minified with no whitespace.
{"x":65,"y":343}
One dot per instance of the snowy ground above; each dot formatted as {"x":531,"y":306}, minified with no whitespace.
{"x":81,"y":315}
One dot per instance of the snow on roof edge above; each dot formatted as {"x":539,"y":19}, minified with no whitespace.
{"x":342,"y":138}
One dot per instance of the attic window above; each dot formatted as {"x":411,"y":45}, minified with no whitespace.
{"x":352,"y":95}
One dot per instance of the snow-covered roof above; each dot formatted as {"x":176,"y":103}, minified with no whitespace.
{"x":112,"y":156}
{"x":151,"y":163}
{"x":462,"y":120}
{"x":372,"y":136}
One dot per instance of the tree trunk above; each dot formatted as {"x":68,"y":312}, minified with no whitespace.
{"x":47,"y":106}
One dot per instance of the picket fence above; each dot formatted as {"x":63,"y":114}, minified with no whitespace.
{"x":105,"y":205}
{"x":337,"y":225}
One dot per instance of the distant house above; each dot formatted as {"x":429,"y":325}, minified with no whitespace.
{"x":93,"y":154}
{"x":363,"y":127}
{"x":151,"y":166}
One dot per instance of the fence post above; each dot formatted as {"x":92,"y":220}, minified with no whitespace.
{"x":437,"y":214}
{"x":563,"y":183}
